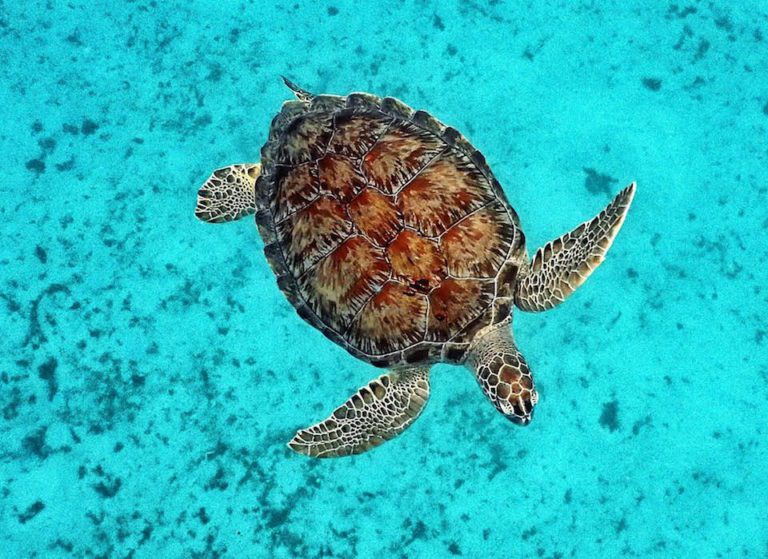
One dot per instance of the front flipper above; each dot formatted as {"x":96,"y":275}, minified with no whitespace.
{"x":562,"y":265}
{"x":228,"y":194}
{"x":375,"y":413}
{"x":503,"y":374}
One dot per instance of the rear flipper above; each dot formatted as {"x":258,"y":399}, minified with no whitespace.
{"x":228,"y":194}
{"x":562,"y":265}
{"x":375,"y":413}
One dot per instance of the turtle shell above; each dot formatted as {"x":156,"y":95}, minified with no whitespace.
{"x":386,"y":229}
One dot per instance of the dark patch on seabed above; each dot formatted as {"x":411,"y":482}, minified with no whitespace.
{"x":597,"y":183}
{"x":653,"y":84}
{"x":609,"y":418}
{"x":32,"y":511}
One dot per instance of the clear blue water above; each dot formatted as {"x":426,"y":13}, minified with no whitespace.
{"x":151,"y":372}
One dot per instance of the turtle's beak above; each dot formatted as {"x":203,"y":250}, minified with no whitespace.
{"x":522,"y":409}
{"x":524,"y":420}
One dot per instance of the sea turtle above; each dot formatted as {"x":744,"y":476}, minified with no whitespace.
{"x":388,"y":232}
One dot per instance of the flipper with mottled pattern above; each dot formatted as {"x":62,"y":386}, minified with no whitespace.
{"x":562,"y":265}
{"x":228,"y":194}
{"x":375,"y":413}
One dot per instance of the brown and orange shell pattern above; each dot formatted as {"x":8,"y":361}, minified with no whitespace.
{"x":386,"y":229}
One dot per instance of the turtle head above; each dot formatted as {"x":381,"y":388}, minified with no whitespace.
{"x":513,"y":393}
{"x":503,"y":374}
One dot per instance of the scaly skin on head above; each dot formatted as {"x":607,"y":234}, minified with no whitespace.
{"x":502,"y":373}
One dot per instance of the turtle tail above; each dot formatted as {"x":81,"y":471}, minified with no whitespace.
{"x":301,"y":94}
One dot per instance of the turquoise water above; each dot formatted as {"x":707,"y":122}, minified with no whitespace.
{"x":151,"y":372}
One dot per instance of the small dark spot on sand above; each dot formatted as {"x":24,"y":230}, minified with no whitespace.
{"x":631,"y":273}
{"x":454,"y":549}
{"x":74,"y":39}
{"x":597,"y":183}
{"x":277,"y":517}
{"x":72,"y":129}
{"x":47,"y":372}
{"x":67,"y":165}
{"x":530,"y":532}
{"x":701,"y":50}
{"x":609,"y":419}
{"x":437,"y":22}
{"x":109,"y":489}
{"x":42,"y":256}
{"x":452,"y":50}
{"x":765,"y":108}
{"x":146,"y":532}
{"x":215,"y":72}
{"x":32,"y":511}
{"x":47,"y":144}
{"x":646,"y":421}
{"x":203,"y":121}
{"x":37,"y":166}
{"x":203,"y":516}
{"x":419,"y":530}
{"x":89,"y":127}
{"x":653,"y":84}
{"x":218,"y":481}
{"x":34,"y":443}
{"x":676,"y":11}
{"x":332,"y":10}
{"x":724,"y":23}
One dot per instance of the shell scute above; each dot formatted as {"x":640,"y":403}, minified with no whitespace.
{"x":456,"y":303}
{"x":313,"y":232}
{"x":397,"y":108}
{"x":376,"y":216}
{"x":297,"y":187}
{"x":477,"y":246}
{"x":306,"y":139}
{"x":395,"y":318}
{"x":363,"y":101}
{"x":426,"y":121}
{"x":444,"y":192}
{"x":356,"y":132}
{"x":339,"y":177}
{"x":339,"y":285}
{"x":398,"y":156}
{"x":416,"y":261}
